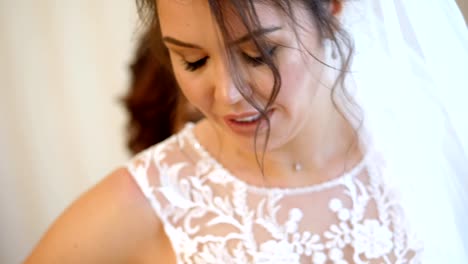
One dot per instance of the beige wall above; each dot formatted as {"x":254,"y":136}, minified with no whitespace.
{"x":63,"y":66}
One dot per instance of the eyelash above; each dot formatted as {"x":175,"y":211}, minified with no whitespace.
{"x":254,"y":61}
{"x":193,"y":66}
{"x":257,"y":61}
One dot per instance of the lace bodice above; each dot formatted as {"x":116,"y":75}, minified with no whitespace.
{"x":210,"y":216}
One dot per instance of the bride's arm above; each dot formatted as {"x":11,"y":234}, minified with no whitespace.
{"x":111,"y":223}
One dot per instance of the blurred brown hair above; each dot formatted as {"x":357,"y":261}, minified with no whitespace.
{"x":155,"y":105}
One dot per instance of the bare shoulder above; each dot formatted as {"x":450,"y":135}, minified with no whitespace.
{"x":111,"y":223}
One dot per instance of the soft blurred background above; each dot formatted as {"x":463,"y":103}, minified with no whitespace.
{"x":63,"y":68}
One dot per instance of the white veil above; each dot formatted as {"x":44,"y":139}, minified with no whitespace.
{"x":410,"y":74}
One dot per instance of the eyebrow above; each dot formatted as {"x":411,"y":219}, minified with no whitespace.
{"x":180,"y":43}
{"x":248,"y":36}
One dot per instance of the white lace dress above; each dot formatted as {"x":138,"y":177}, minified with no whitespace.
{"x":210,"y":216}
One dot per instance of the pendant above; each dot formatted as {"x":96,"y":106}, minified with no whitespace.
{"x":297,"y":166}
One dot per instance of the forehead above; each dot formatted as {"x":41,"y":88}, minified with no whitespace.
{"x":183,"y":15}
{"x":193,"y":19}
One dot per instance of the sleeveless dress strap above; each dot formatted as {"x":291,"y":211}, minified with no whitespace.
{"x":138,"y":168}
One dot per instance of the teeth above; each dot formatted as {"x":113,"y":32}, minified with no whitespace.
{"x":248,"y":119}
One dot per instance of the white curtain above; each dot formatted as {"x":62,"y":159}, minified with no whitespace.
{"x":63,"y":66}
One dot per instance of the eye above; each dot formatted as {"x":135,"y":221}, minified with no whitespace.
{"x":193,"y":66}
{"x":260,"y":60}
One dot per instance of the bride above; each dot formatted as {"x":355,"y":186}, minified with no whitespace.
{"x":333,"y":132}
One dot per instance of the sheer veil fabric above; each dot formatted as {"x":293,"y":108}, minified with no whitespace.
{"x":409,"y":77}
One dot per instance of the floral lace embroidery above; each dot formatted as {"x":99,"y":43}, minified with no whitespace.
{"x":210,"y":217}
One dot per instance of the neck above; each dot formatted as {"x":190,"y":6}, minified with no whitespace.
{"x":324,"y":147}
{"x":329,"y":150}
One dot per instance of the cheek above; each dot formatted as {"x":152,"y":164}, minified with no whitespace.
{"x":261,"y":82}
{"x":297,"y":82}
{"x":194,"y":89}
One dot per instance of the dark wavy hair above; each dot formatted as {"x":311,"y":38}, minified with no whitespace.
{"x":152,"y":109}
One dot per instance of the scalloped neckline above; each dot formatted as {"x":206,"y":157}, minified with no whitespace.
{"x":187,"y":131}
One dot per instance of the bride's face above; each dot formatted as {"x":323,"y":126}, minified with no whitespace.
{"x":201,"y":68}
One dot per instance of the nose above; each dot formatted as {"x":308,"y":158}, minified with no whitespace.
{"x":225,"y":87}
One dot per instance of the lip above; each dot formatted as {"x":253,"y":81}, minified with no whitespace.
{"x":245,"y":129}
{"x":241,"y":115}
